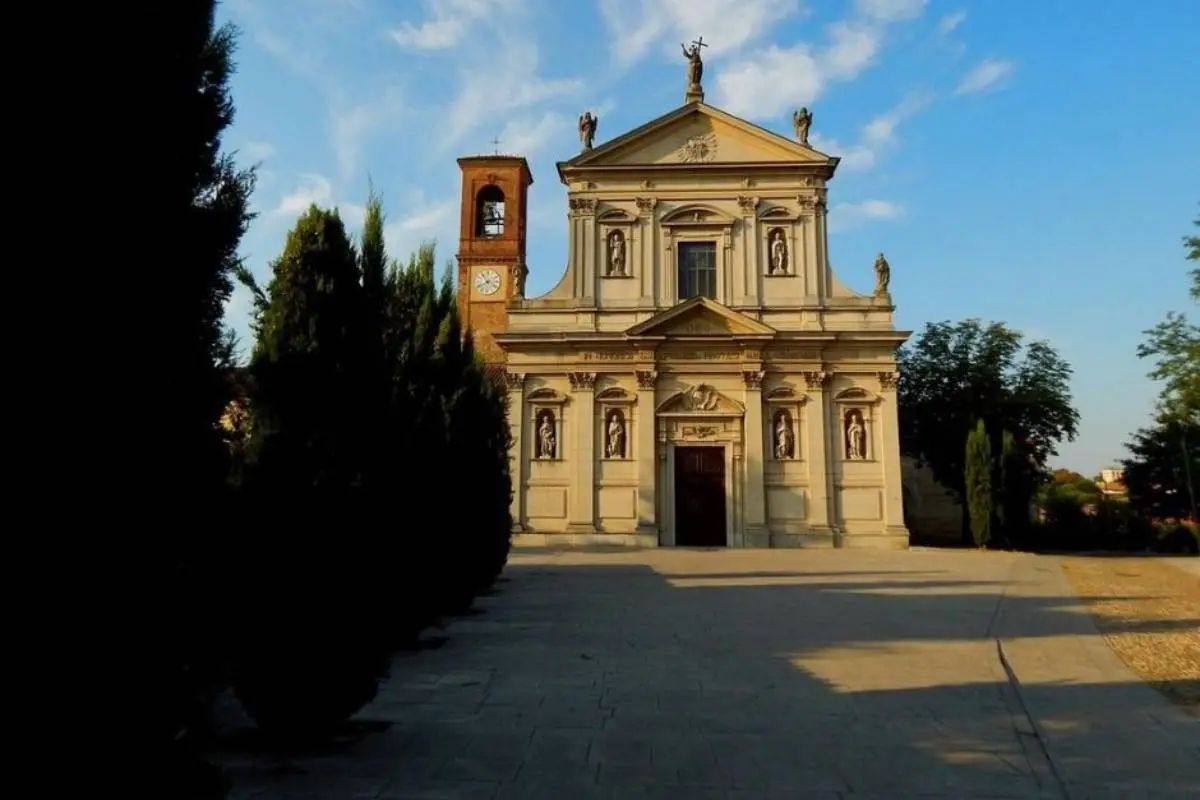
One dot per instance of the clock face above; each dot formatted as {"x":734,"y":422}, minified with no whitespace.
{"x":487,"y":281}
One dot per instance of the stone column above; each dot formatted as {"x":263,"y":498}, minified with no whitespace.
{"x":647,"y":454}
{"x":889,"y":443}
{"x":582,"y":518}
{"x":816,"y":436}
{"x":516,"y":457}
{"x":754,"y":503}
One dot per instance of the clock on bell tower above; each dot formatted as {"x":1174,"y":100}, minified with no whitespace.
{"x":491,"y":245}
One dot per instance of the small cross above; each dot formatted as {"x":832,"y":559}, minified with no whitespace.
{"x":496,"y":145}
{"x":699,"y":42}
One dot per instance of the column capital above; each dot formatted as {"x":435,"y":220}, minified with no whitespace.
{"x":647,"y":379}
{"x":817,"y":379}
{"x":752,"y":379}
{"x":514,"y":380}
{"x":582,"y":381}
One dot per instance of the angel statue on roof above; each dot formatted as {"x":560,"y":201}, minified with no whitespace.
{"x":587,"y":129}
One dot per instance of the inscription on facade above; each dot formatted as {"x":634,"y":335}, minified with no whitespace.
{"x":601,"y":356}
{"x":798,"y":355}
{"x":702,"y":355}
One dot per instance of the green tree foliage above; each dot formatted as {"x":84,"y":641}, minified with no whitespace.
{"x":201,"y":199}
{"x":1014,"y":489}
{"x":956,"y":374}
{"x":977,"y":479}
{"x":1174,"y":346}
{"x":1163,"y":472}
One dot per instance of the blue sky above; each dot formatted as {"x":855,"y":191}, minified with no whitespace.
{"x":1036,"y":166}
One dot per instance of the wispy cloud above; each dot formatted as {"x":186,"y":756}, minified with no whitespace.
{"x":774,"y":79}
{"x":988,"y":74}
{"x":638,"y":26}
{"x":312,"y":189}
{"x":949,"y":22}
{"x":255,"y":152}
{"x":447,"y":23}
{"x":845,"y":216}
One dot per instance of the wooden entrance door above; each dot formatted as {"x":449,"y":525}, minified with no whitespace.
{"x":700,"y":496}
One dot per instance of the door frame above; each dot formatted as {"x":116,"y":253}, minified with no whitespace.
{"x":669,"y":530}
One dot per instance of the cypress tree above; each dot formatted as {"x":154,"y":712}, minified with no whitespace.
{"x":978,"y":482}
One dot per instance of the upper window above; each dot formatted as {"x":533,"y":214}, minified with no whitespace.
{"x":697,"y":270}
{"x":489,"y":211}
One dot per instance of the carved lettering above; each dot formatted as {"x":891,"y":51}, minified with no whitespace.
{"x":702,"y":355}
{"x":608,"y":356}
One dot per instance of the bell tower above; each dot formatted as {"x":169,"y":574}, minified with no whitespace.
{"x":491,"y":245}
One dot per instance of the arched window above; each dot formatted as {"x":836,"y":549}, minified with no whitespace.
{"x":489,"y":211}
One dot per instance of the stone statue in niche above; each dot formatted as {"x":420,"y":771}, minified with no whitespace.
{"x":614,"y":445}
{"x":856,"y":436}
{"x":547,"y":440}
{"x":883,"y":275}
{"x":802,"y":121}
{"x":778,"y":252}
{"x":587,"y":129}
{"x":785,"y":440}
{"x":616,"y":253}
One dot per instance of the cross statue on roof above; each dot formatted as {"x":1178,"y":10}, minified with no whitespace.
{"x":496,"y":146}
{"x":695,"y":72}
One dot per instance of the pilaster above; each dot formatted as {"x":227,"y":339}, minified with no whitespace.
{"x":648,"y":265}
{"x":516,"y":456}
{"x":647,"y":453}
{"x":893,"y":483}
{"x":747,"y":288}
{"x":754,"y":533}
{"x":582,"y":517}
{"x":817,"y":444}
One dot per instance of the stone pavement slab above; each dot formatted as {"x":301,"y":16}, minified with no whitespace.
{"x":729,"y":674}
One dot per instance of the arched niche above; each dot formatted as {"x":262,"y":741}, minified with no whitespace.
{"x":546,"y":423}
{"x":615,"y":405}
{"x":489,"y":211}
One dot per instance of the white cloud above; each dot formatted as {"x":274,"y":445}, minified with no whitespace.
{"x":987,"y":74}
{"x":771,"y":81}
{"x":448,"y":23}
{"x":854,"y":157}
{"x":256,"y":151}
{"x":505,"y":84}
{"x":949,"y":22}
{"x":635,"y":26}
{"x":525,"y":136}
{"x":424,"y":222}
{"x":890,"y":10}
{"x":353,"y":124}
{"x":845,"y":216}
{"x":313,"y":188}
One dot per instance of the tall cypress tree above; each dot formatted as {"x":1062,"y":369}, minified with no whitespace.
{"x":978,"y":482}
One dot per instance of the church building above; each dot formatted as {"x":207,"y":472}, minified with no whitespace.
{"x":699,"y":377}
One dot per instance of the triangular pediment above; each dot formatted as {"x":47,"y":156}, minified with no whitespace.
{"x":700,"y":317}
{"x":697,"y":134}
{"x":700,"y":400}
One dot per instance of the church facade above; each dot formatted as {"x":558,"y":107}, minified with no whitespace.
{"x":699,"y":376}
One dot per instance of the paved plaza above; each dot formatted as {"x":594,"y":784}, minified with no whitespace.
{"x":760,"y":674}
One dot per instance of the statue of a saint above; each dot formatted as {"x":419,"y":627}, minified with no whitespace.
{"x":615,"y":447}
{"x":778,"y":252}
{"x":546,"y":441}
{"x":695,"y":72}
{"x":802,"y":121}
{"x":616,"y":253}
{"x":587,"y":129}
{"x":784,"y":443}
{"x":883,"y":276}
{"x":856,"y":437}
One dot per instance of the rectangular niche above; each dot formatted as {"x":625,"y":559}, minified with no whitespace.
{"x":546,"y":425}
{"x":783,"y":423}
{"x":856,"y":420}
{"x":616,"y":256}
{"x":615,"y":408}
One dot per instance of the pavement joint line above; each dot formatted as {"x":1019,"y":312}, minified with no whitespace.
{"x":1038,"y":733}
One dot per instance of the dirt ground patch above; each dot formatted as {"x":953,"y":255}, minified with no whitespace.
{"x":1147,"y":612}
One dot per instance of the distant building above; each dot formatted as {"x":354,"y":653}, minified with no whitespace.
{"x":1112,"y":482}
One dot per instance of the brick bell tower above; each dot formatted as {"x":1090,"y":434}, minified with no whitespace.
{"x":491,"y":245}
